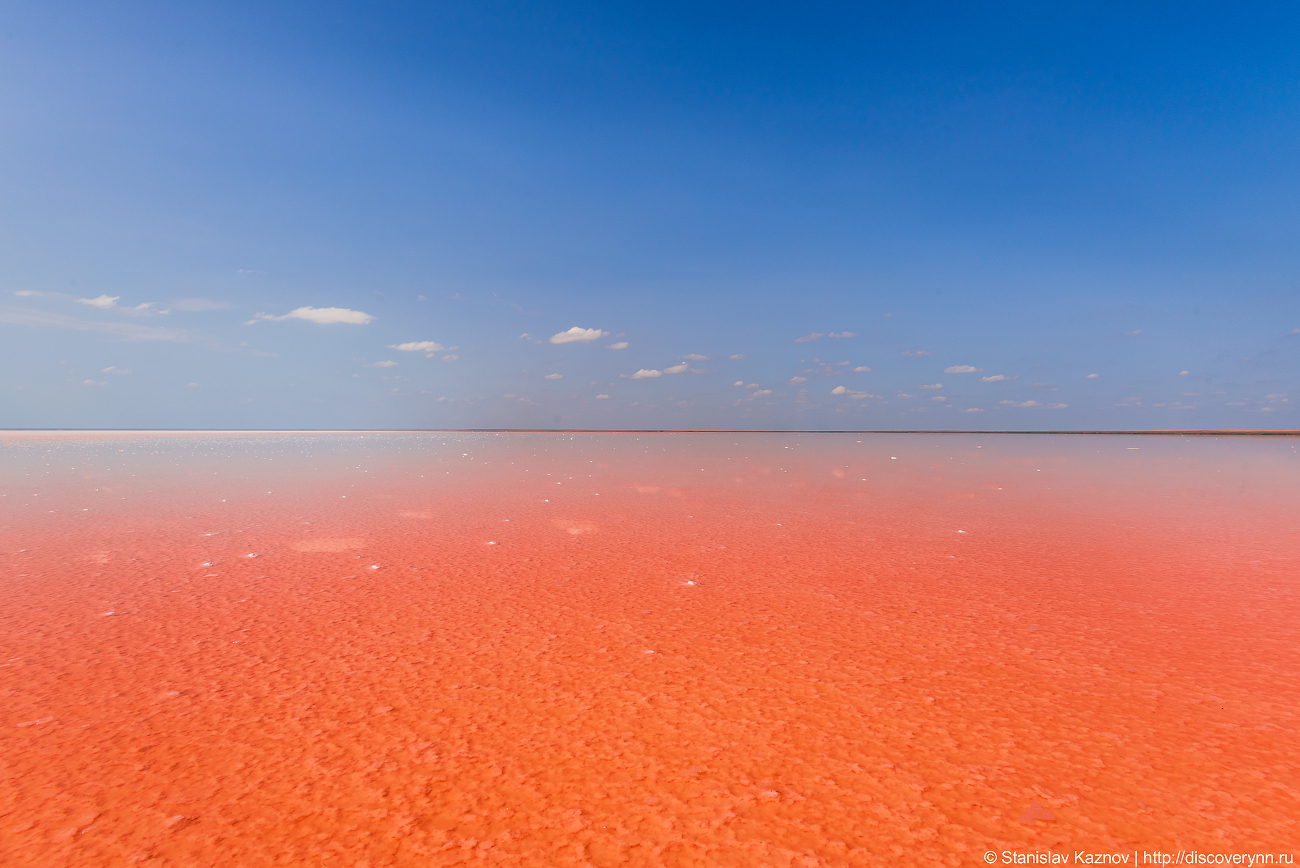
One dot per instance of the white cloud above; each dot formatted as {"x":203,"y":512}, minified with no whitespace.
{"x":973,"y":410}
{"x":601,"y":397}
{"x":144,"y":305}
{"x":554,"y":376}
{"x":1184,"y":373}
{"x":794,"y":381}
{"x":417,"y":346}
{"x":838,"y":390}
{"x":678,"y":369}
{"x":95,"y":383}
{"x":961,"y":369}
{"x":450,"y":357}
{"x":642,"y":374}
{"x":916,"y":354}
{"x":318,"y":315}
{"x":1021,"y":404}
{"x":621,"y":345}
{"x":31,"y":293}
{"x":1295,"y":331}
{"x":808,"y":338}
{"x":1134,"y":332}
{"x":862,"y":369}
{"x":198,"y":305}
{"x":739,"y":383}
{"x":742,"y":355}
{"x":192,"y":386}
{"x":761,"y":392}
{"x":696,"y":357}
{"x":384,"y":364}
{"x":844,"y":334}
{"x":933,"y":386}
{"x":114,"y":369}
{"x":1092,"y":376}
{"x":103,"y":302}
{"x":996,"y":378}
{"x":938,"y":398}
{"x":578,"y":335}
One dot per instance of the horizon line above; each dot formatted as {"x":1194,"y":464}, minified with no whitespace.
{"x":1184,"y":432}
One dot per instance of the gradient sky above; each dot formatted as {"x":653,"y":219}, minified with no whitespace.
{"x":670,"y":215}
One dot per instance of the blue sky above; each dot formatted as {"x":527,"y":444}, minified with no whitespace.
{"x":1007,"y":216}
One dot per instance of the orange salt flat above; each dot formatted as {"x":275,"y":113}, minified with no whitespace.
{"x":640,"y":650}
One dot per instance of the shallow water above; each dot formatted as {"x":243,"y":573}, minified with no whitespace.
{"x":670,"y":649}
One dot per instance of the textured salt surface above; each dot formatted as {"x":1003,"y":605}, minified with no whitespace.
{"x":651,"y":650}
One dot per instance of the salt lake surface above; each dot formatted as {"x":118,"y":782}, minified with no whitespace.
{"x":423,"y":649}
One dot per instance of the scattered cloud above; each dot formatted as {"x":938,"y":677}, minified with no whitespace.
{"x":1134,"y":332}
{"x":578,"y":335}
{"x":839,"y":390}
{"x":192,"y":385}
{"x":1184,"y":373}
{"x":385,"y":364}
{"x":973,"y":410}
{"x":621,"y":345}
{"x":933,"y":386}
{"x":862,"y":369}
{"x":938,"y":398}
{"x":450,"y":357}
{"x":103,"y":302}
{"x":843,"y":334}
{"x":601,"y":397}
{"x":146,"y":305}
{"x":794,"y":381}
{"x":916,"y":354}
{"x":809,"y":338}
{"x":318,"y":315}
{"x":198,"y":305}
{"x":642,"y":374}
{"x":742,"y":355}
{"x":554,"y":377}
{"x":996,"y":378}
{"x":114,"y":369}
{"x":1295,"y":331}
{"x":123,"y":330}
{"x":1020,"y":404}
{"x":1176,"y":405}
{"x":761,"y":392}
{"x":962,"y":369}
{"x":678,"y":369}
{"x":427,"y":347}
{"x":31,"y":293}
{"x":696,"y":357}
{"x":1092,"y":376}
{"x":95,"y":383}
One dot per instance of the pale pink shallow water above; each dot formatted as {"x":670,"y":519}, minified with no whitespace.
{"x":748,"y":650}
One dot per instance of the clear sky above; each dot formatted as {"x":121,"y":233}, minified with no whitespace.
{"x":664,"y":215}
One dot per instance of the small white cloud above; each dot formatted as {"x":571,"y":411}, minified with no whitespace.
{"x":761,"y":392}
{"x":318,"y":315}
{"x":1020,"y":404}
{"x":642,"y":374}
{"x":696,"y":357}
{"x":916,"y":354}
{"x":809,"y":338}
{"x":31,"y":293}
{"x":1183,"y":373}
{"x":192,"y":386}
{"x":996,"y":378}
{"x":114,"y":369}
{"x":103,"y":302}
{"x":1092,"y":376}
{"x":1295,"y":331}
{"x":933,"y":386}
{"x":418,"y":347}
{"x":198,"y":305}
{"x":384,"y":364}
{"x":144,"y":305}
{"x":843,"y":334}
{"x":794,"y":381}
{"x":621,"y":345}
{"x":554,"y":377}
{"x":973,"y":410}
{"x":839,"y":390}
{"x":95,"y":383}
{"x":450,"y":357}
{"x":862,"y":369}
{"x":1134,"y":332}
{"x":938,"y":398}
{"x":961,"y":369}
{"x":742,"y":355}
{"x":601,"y":397}
{"x":578,"y":335}
{"x":740,"y":383}
{"x":678,"y":369}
